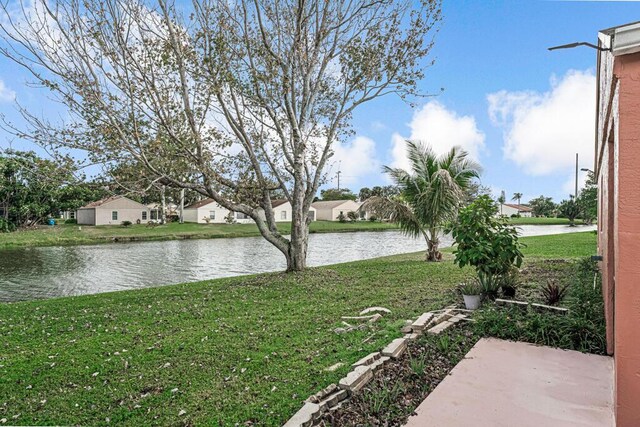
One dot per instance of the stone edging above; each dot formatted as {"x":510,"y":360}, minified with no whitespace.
{"x":535,"y":306}
{"x":332,"y":397}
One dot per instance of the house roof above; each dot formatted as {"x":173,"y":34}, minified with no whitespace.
{"x":205,"y":202}
{"x":201,"y":203}
{"x":278,"y":202}
{"x":101,"y":202}
{"x":621,"y":40}
{"x":521,"y":208}
{"x":330,"y":204}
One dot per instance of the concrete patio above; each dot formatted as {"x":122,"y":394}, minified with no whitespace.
{"x":503,"y":383}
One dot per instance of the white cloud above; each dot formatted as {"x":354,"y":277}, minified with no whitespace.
{"x":543,"y":131}
{"x":355,"y":159}
{"x":6,"y":94}
{"x":569,"y":186}
{"x":442,"y":129}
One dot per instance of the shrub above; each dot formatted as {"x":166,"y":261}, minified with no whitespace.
{"x":230,"y":218}
{"x":70,"y":221}
{"x":353,"y":216}
{"x":569,"y":209}
{"x":342,"y":217}
{"x":484,"y":241}
{"x":553,"y":293}
{"x":489,"y":284}
{"x":582,"y":329}
{"x":373,"y":218}
{"x":509,"y":282}
{"x":126,"y":223}
{"x":6,"y":226}
{"x":470,"y":288}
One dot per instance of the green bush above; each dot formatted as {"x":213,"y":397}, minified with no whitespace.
{"x":126,"y":223}
{"x":6,"y":226}
{"x":352,"y":216}
{"x":582,"y":329}
{"x":485,"y":241}
{"x":342,"y":217}
{"x":70,"y":221}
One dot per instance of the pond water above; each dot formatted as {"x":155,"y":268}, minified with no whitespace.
{"x":34,"y":273}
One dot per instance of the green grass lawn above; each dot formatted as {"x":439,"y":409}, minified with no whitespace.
{"x":82,"y":235}
{"x":541,"y":221}
{"x":570,"y":245}
{"x":224,"y":351}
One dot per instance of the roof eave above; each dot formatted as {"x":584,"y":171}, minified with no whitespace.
{"x":622,"y":40}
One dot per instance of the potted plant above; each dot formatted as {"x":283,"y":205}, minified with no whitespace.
{"x":509,"y":283}
{"x":471,"y":292}
{"x":489,"y":285}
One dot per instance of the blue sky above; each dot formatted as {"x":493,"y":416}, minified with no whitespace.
{"x":522,"y":110}
{"x":485,"y":47}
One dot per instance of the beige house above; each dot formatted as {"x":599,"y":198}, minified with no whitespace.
{"x":207,"y":211}
{"x":330,"y":210}
{"x":155,"y":211}
{"x":113,"y":211}
{"x":507,"y":209}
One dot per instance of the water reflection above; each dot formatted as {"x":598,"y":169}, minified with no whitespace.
{"x":75,"y":270}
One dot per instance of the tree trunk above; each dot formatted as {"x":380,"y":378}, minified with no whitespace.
{"x":433,"y":243}
{"x":297,"y":256}
{"x":163,"y":215}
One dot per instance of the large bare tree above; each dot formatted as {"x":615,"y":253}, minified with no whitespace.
{"x":247,"y":95}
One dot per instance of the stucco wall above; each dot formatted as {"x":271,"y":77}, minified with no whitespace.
{"x":627,"y":242}
{"x":198,"y":215}
{"x":103,"y":215}
{"x":86,"y":216}
{"x":618,"y":169}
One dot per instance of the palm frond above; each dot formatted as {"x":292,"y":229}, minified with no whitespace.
{"x":395,"y":210}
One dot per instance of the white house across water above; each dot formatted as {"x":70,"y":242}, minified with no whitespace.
{"x":207,"y":211}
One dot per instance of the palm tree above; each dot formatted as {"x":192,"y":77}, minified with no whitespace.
{"x":501,"y":201}
{"x":517,"y":196}
{"x":431,"y":193}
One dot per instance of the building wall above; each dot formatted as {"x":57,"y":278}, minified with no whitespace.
{"x":86,"y":216}
{"x":128,"y":210}
{"x":190,"y":215}
{"x":507,"y":210}
{"x":334,"y":213}
{"x":103,"y":215}
{"x":199,"y":215}
{"x":324,"y":214}
{"x":618,"y":173}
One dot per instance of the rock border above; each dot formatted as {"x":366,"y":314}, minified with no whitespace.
{"x":332,"y":397}
{"x":535,"y":306}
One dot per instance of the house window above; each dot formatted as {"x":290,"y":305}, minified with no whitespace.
{"x":114,"y":215}
{"x":72,"y":215}
{"x":212,"y":214}
{"x":144,"y":215}
{"x":240,"y":215}
{"x":154,"y":215}
{"x":283,"y":215}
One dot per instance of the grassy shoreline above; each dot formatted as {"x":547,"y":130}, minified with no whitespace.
{"x":72,"y":235}
{"x":225,"y":351}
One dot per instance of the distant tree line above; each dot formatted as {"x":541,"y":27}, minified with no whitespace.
{"x":33,"y":189}
{"x":585,"y":207}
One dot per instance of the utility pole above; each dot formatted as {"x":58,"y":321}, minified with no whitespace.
{"x":576,"y":193}
{"x":338,"y":175}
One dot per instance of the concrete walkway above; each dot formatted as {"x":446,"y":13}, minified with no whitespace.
{"x":503,"y":383}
